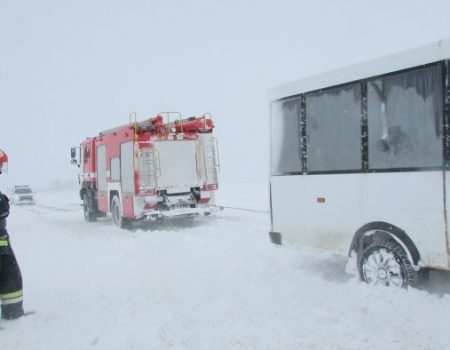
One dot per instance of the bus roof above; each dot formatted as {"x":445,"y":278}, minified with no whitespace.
{"x":418,"y":56}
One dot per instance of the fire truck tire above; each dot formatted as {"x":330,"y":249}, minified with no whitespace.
{"x":89,"y":213}
{"x":116,"y":213}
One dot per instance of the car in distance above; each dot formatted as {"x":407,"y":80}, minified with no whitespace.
{"x":22,"y":195}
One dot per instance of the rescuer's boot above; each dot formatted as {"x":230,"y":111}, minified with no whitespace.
{"x":12,"y":311}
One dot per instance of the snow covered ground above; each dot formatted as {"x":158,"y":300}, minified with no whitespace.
{"x":215,"y":283}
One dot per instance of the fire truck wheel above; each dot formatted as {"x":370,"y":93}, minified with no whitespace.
{"x":89,"y":213}
{"x":116,"y":212}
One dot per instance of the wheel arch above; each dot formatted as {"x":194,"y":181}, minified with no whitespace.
{"x":369,"y":232}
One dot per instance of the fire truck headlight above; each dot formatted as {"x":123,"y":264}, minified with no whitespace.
{"x":174,"y":130}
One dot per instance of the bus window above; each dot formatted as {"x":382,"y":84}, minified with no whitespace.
{"x":405,"y":120}
{"x":333,"y":129}
{"x":285,"y":137}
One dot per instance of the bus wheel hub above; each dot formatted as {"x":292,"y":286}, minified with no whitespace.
{"x":382,"y":274}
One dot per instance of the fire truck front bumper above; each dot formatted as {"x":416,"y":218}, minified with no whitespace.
{"x":180,"y":212}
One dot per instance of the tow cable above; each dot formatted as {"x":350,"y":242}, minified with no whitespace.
{"x":245,"y":209}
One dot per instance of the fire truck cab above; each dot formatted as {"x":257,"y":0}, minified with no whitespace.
{"x":149,"y":170}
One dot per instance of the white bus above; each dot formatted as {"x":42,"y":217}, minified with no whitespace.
{"x":360,"y":161}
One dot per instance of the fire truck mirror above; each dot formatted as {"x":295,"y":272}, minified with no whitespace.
{"x":73,"y":155}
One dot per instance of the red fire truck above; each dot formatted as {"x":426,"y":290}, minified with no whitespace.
{"x":150,"y":169}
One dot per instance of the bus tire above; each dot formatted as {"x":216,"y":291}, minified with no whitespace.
{"x":386,"y":263}
{"x":90,"y":214}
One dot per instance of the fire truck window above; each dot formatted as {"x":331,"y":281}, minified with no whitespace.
{"x":115,"y":169}
{"x":127,"y":167}
{"x":86,"y":153}
{"x":405,"y":120}
{"x":101,"y":168}
{"x":285,"y":137}
{"x":333,"y":129}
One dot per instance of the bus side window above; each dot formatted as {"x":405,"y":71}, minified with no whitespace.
{"x":333,"y":129}
{"x":286,"y":142}
{"x":405,"y":119}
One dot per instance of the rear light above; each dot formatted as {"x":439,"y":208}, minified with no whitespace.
{"x":320,"y":199}
{"x":149,"y":206}
{"x":147,"y":191}
{"x":210,"y":187}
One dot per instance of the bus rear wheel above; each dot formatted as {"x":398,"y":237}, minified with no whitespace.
{"x":386,"y":263}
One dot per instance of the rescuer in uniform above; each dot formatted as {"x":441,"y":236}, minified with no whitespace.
{"x":10,"y":276}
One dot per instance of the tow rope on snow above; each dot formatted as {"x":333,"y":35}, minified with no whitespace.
{"x":245,"y":209}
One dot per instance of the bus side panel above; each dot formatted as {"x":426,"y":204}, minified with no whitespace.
{"x":325,"y":211}
{"x":321,"y":211}
{"x":412,"y":201}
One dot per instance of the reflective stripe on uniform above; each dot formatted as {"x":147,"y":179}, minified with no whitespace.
{"x":5,"y":298}
{"x":3,"y":242}
{"x":11,"y":298}
{"x":12,"y":301}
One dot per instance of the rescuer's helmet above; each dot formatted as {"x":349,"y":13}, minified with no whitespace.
{"x":3,"y":162}
{"x":4,"y":202}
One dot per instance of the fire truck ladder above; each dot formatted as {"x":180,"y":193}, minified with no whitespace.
{"x":135,"y":125}
{"x":150,"y":167}
{"x":211,"y":155}
{"x":168,"y":124}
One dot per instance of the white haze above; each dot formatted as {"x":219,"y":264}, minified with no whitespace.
{"x":69,"y":69}
{"x":216,"y":283}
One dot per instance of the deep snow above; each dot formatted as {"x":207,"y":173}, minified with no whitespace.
{"x":215,"y":283}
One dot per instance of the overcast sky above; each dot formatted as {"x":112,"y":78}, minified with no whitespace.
{"x":69,"y":69}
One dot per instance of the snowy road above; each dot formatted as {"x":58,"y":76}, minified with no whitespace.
{"x":215,"y":283}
